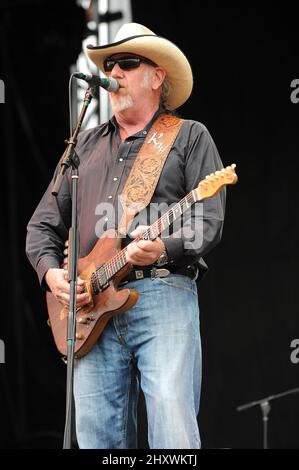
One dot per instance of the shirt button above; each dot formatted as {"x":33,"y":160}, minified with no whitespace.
{"x":115,"y":179}
{"x":144,"y":132}
{"x":121,"y":159}
{"x":128,"y":143}
{"x":106,"y":219}
{"x":109,"y":197}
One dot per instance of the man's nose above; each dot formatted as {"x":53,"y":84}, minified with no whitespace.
{"x":116,"y":71}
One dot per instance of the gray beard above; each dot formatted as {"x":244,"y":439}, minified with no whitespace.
{"x":122,"y":103}
{"x":126,"y":102}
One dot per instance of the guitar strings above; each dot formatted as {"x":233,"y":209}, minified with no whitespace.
{"x":119,"y":260}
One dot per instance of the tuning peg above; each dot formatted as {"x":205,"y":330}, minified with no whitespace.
{"x":66,"y":243}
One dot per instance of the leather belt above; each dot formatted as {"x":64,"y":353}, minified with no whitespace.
{"x":154,"y":272}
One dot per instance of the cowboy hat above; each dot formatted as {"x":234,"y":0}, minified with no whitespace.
{"x":135,"y":38}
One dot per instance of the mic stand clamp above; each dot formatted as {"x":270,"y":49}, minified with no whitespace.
{"x":71,"y":159}
{"x":266,"y":408}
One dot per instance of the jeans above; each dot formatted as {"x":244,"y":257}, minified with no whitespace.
{"x":160,"y":337}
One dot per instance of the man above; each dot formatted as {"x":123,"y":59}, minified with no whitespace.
{"x":158,"y":339}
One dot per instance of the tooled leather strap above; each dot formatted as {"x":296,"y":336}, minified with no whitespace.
{"x":147,"y":168}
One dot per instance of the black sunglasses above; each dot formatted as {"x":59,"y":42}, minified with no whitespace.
{"x":126,"y":63}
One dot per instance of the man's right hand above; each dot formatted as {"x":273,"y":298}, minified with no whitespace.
{"x":60,"y":287}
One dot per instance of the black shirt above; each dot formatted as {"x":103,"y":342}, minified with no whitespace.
{"x":104,"y":168}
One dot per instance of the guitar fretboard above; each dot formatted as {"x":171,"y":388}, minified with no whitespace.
{"x":115,"y":264}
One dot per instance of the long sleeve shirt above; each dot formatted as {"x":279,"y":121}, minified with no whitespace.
{"x":105,"y":163}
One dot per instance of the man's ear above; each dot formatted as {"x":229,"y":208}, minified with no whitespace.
{"x":158,"y":77}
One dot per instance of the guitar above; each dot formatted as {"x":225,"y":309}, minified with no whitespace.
{"x":105,"y":266}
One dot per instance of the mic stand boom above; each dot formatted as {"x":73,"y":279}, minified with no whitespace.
{"x":264,"y":403}
{"x":70,"y":158}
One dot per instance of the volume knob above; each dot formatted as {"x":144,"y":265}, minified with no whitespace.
{"x":80,"y":336}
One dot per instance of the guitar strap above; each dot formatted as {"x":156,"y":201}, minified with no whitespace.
{"x":147,"y":168}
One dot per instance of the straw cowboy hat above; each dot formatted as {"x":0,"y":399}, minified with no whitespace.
{"x":135,"y":38}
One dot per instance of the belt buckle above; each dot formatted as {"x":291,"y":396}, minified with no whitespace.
{"x":160,"y":272}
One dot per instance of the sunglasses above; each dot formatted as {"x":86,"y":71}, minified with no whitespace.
{"x":126,"y":63}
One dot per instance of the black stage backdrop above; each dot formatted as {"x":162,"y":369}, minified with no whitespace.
{"x":244,"y":59}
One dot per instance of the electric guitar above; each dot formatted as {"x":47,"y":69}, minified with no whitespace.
{"x":105,"y":267}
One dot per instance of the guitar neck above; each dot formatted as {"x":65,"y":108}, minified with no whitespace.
{"x":118,"y":262}
{"x":208,"y":187}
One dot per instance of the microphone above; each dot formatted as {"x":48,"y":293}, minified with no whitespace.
{"x":110,"y":84}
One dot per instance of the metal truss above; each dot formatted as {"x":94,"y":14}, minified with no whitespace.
{"x":104,"y":18}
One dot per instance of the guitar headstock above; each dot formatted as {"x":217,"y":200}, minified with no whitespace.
{"x":212,"y":183}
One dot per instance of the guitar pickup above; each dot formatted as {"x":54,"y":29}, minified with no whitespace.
{"x":99,"y":280}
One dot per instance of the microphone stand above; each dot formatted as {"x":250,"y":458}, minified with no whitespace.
{"x":70,"y":158}
{"x":266,"y":408}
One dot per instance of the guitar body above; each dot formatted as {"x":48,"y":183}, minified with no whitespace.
{"x":93,"y":317}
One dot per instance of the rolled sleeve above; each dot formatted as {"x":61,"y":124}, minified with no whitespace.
{"x":43,"y":266}
{"x":47,"y":231}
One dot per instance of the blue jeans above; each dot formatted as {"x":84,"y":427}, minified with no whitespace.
{"x":160,"y":337}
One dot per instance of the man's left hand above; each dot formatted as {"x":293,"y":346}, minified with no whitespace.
{"x":144,"y":252}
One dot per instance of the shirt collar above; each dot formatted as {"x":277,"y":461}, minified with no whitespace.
{"x":112,"y":125}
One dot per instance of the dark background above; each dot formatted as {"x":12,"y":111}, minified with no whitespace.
{"x":244,"y":59}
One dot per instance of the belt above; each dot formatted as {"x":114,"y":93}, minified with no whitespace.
{"x":154,"y":272}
